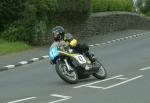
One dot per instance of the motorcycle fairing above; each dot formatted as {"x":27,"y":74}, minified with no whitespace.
{"x":53,"y":53}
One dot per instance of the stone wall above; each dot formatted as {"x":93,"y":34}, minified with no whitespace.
{"x":100,"y":23}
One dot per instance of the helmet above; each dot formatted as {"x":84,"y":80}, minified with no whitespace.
{"x":58,"y":33}
{"x":73,"y":43}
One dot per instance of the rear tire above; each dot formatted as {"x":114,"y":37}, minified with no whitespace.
{"x":101,"y":74}
{"x":68,"y":76}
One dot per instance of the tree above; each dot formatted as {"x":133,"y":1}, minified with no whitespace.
{"x":10,"y":11}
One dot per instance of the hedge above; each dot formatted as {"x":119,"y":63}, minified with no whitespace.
{"x":112,"y":5}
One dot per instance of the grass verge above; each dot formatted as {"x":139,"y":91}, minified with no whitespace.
{"x":11,"y":47}
{"x":112,"y":5}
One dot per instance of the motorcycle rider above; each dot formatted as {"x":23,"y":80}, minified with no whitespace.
{"x":62,"y":39}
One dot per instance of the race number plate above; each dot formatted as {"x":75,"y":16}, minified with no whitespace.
{"x":80,"y":59}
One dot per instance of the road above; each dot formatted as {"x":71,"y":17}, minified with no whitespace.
{"x":127,"y":63}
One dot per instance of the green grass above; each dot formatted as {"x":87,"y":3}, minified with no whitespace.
{"x":11,"y":47}
{"x":112,"y":5}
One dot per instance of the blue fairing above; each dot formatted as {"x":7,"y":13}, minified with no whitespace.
{"x":53,"y":53}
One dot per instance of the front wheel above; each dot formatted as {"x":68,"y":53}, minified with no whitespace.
{"x":101,"y":74}
{"x":68,"y":76}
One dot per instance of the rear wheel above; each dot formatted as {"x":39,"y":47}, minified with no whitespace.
{"x":68,"y":76}
{"x":101,"y":74}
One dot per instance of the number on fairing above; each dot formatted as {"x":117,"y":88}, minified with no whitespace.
{"x":53,"y":53}
{"x":80,"y":59}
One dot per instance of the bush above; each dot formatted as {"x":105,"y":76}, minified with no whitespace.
{"x":144,"y":6}
{"x":13,"y":33}
{"x":112,"y":5}
{"x":32,"y":19}
{"x":10,"y":11}
{"x":26,"y":28}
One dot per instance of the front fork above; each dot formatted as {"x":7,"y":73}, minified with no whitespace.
{"x":68,"y":66}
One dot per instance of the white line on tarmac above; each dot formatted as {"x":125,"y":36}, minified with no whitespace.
{"x":60,"y":96}
{"x":122,"y":78}
{"x":97,"y":44}
{"x":35,"y":59}
{"x":103,"y":43}
{"x":91,"y":45}
{"x":122,"y":82}
{"x":113,"y":40}
{"x":130,"y":36}
{"x":10,"y":66}
{"x":119,"y":39}
{"x":45,"y":56}
{"x":97,"y":81}
{"x":146,"y":68}
{"x":23,"y":62}
{"x":90,"y":86}
{"x":21,"y":100}
{"x":109,"y":42}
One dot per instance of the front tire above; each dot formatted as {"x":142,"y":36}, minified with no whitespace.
{"x":68,"y":76}
{"x":101,"y":74}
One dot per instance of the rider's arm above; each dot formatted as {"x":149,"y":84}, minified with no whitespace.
{"x":68,"y":37}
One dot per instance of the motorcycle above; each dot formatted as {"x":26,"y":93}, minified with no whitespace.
{"x":72,"y":66}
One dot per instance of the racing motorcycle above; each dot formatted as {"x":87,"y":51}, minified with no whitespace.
{"x":72,"y":66}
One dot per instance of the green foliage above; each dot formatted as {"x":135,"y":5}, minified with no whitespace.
{"x":99,"y":5}
{"x":111,"y":5}
{"x":34,"y":14}
{"x":144,"y":6}
{"x":13,"y":33}
{"x":10,"y":10}
{"x":73,"y":5}
{"x":30,"y":20}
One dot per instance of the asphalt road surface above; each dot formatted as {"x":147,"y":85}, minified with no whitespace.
{"x":127,"y":63}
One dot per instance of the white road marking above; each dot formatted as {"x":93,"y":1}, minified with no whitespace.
{"x":45,"y":56}
{"x":122,"y":78}
{"x":35,"y":59}
{"x":118,"y":39}
{"x":121,"y":38}
{"x":109,"y":42}
{"x":90,"y":86}
{"x":60,"y":96}
{"x":10,"y":66}
{"x":146,"y":68}
{"x":134,"y":35}
{"x":130,"y":36}
{"x":122,"y":82}
{"x":113,"y":40}
{"x":97,"y":81}
{"x":91,"y":45}
{"x":21,"y":100}
{"x":103,"y":43}
{"x":97,"y":44}
{"x":139,"y":34}
{"x":23,"y":62}
{"x":127,"y":37}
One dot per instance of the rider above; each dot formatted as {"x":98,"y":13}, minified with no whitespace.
{"x":66,"y":39}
